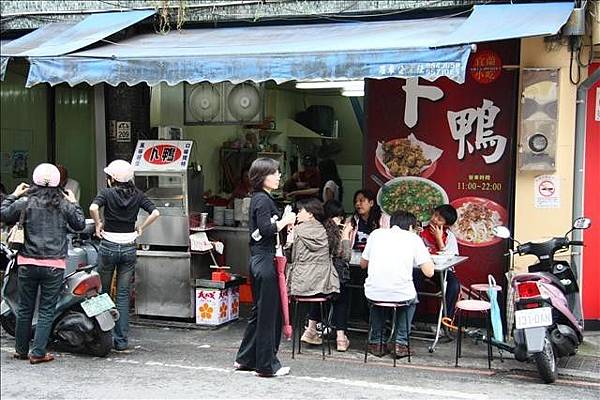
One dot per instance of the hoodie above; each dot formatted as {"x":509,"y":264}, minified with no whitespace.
{"x":120,"y":209}
{"x":311,"y":270}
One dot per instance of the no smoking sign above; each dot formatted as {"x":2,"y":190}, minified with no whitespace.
{"x":546,"y":188}
{"x":547,"y":191}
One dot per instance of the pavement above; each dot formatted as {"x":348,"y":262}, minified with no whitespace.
{"x":177,"y":360}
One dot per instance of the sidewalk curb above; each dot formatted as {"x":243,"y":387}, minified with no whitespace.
{"x":578,"y":374}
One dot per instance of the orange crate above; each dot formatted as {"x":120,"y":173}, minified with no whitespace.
{"x":246,"y":293}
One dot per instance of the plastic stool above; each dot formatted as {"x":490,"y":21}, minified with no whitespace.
{"x":323,"y":301}
{"x":483,"y":288}
{"x":394,"y":306}
{"x":466,"y":306}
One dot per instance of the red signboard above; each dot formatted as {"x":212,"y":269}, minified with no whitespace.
{"x":162,"y":154}
{"x":430,"y":143}
{"x":591,"y":236}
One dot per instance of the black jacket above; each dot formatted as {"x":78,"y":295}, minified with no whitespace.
{"x":262,"y":209}
{"x":121,"y":210}
{"x":45,"y":227}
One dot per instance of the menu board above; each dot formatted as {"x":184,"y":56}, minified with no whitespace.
{"x":432,"y":143}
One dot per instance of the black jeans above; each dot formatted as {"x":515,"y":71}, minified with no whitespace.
{"x":262,"y":337}
{"x":340,"y":305}
{"x":122,"y":258}
{"x":49,"y":281}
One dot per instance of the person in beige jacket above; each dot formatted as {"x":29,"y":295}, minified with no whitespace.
{"x":311,"y":271}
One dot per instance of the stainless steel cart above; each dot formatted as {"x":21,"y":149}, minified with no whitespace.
{"x":165,"y":269}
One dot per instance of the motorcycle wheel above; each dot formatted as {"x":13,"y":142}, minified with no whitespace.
{"x":546,"y":363}
{"x":103,"y":344}
{"x":9,"y":322}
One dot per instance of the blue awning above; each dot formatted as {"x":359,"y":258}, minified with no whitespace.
{"x":509,"y":21}
{"x":57,"y":39}
{"x":333,"y":51}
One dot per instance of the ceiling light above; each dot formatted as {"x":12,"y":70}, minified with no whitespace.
{"x":353,"y":93}
{"x":345,"y":85}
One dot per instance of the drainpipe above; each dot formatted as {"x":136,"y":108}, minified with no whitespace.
{"x":578,"y":175}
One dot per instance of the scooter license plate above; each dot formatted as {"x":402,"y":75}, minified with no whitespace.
{"x":533,"y":318}
{"x":97,"y":305}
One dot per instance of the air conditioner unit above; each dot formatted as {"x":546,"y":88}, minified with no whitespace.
{"x":539,"y":120}
{"x":224,"y":103}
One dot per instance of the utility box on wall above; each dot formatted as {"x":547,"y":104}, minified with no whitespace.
{"x":539,"y":120}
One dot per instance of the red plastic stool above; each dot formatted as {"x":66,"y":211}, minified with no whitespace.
{"x":470,"y":306}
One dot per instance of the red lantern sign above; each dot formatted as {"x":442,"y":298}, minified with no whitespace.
{"x":486,"y":66}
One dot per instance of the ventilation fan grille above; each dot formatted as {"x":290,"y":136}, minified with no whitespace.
{"x":223,"y":103}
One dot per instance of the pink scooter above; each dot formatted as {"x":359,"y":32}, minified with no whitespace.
{"x":545,"y":327}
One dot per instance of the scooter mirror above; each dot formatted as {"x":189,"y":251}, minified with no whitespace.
{"x":501,"y":232}
{"x":582,"y":223}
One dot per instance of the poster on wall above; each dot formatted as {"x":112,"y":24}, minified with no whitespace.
{"x":440,"y":142}
{"x":20,"y":160}
{"x":546,"y":191}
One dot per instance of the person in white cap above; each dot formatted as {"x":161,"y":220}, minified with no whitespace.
{"x":121,"y":201}
{"x":45,"y":214}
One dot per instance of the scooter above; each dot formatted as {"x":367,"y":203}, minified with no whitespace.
{"x":84,"y":318}
{"x":545,"y":327}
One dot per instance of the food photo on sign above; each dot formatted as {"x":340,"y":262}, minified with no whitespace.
{"x":444,"y":142}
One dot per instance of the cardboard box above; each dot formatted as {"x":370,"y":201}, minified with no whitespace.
{"x":217,"y":306}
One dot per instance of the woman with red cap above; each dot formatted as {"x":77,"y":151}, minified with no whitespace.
{"x":45,"y":214}
{"x":121,"y":201}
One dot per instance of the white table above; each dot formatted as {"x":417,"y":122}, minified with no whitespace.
{"x":441,"y":270}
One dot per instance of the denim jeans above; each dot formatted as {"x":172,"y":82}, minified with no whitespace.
{"x":49,"y":282}
{"x":380,"y":314}
{"x":119,"y":257}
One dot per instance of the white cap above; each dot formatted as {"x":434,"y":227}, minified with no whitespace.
{"x":46,"y":175}
{"x":120,"y":171}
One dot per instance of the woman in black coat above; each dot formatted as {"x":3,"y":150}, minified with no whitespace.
{"x":258,"y":351}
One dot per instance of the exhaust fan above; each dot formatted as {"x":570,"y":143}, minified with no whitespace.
{"x":223,"y":103}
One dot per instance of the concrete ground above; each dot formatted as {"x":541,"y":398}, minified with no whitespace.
{"x":175,"y":362}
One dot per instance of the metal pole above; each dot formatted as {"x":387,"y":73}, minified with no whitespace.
{"x":578,"y":175}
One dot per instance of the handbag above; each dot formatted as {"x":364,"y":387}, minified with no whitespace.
{"x":343,"y":269}
{"x":16,"y":235}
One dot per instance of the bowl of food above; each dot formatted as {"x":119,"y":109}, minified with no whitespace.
{"x":406,"y":157}
{"x":417,"y":195}
{"x":477,"y":218}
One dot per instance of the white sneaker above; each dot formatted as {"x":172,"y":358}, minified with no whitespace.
{"x":283,"y":371}
{"x":311,"y":337}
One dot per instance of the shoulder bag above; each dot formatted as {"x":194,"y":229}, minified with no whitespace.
{"x":16,"y":235}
